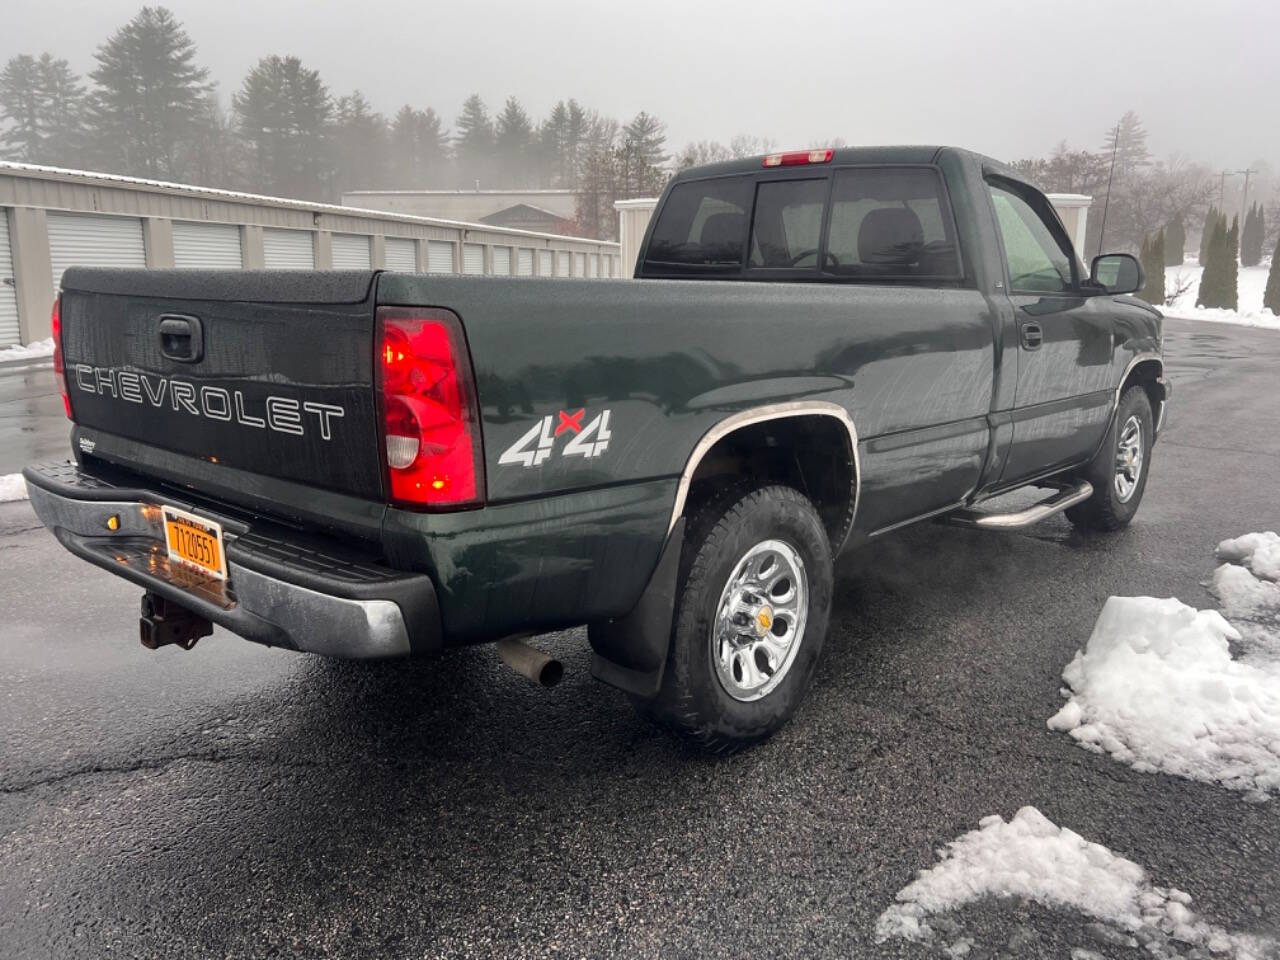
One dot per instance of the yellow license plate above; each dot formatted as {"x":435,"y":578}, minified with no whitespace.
{"x":195,"y":541}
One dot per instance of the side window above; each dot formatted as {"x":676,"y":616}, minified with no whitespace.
{"x":703,"y":224}
{"x":1039,"y":259}
{"x":788,"y":223}
{"x":891,"y":223}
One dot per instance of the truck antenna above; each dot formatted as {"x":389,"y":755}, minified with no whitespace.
{"x":1102,"y":231}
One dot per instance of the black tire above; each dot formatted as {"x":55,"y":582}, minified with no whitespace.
{"x":693,"y":700}
{"x":1107,"y":509}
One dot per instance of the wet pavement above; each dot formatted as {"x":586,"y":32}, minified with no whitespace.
{"x":236,"y":801}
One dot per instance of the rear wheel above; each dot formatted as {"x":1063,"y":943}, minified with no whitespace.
{"x":1119,"y":471}
{"x":750,"y":617}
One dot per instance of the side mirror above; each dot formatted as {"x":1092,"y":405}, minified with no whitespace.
{"x":1118,"y":273}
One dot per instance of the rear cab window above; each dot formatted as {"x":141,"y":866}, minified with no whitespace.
{"x":870,"y":224}
{"x":702,"y":228}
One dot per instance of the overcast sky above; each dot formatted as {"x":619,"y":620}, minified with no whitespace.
{"x":1008,"y":78}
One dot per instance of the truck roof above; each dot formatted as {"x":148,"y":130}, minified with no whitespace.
{"x":902,"y":154}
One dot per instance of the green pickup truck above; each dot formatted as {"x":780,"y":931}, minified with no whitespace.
{"x":818,"y":348}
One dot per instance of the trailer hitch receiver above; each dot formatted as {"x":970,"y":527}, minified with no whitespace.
{"x":164,"y":622}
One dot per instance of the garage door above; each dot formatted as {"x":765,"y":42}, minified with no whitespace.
{"x":472,"y":258}
{"x":524,"y":263}
{"x":544,"y":263}
{"x":562,"y":263}
{"x":439,"y":256}
{"x":401,"y":255}
{"x":212,"y":246}
{"x":91,"y":241}
{"x":350,"y":252}
{"x":287,"y":250}
{"x":502,"y":261}
{"x":8,"y":291}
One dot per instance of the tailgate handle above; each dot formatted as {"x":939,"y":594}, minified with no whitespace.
{"x":181,"y":338}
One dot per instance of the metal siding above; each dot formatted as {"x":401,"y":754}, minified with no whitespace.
{"x":351,"y":252}
{"x":9,"y":332}
{"x":206,"y":245}
{"x":288,"y":250}
{"x":94,"y":241}
{"x":502,"y":261}
{"x":524,"y":262}
{"x":473,"y":258}
{"x":400,"y":255}
{"x":439,"y":256}
{"x":544,"y":263}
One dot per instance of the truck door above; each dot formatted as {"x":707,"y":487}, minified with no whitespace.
{"x":1064,"y":394}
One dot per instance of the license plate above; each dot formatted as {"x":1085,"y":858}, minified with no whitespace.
{"x":195,"y":541}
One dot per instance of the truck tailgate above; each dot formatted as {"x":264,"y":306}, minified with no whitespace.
{"x":269,"y":372}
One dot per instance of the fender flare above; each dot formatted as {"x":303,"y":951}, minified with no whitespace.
{"x":631,"y":652}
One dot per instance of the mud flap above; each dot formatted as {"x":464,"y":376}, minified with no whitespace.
{"x":630,"y":652}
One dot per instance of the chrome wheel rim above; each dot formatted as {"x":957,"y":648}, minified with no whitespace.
{"x":1128,"y":459}
{"x":759,"y":623}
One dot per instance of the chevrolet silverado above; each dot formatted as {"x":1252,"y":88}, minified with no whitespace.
{"x":817,"y":348}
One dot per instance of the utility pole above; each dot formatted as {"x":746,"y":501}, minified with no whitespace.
{"x":1245,"y":198}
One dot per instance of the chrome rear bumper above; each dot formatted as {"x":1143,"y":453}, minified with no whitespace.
{"x":276,"y":593}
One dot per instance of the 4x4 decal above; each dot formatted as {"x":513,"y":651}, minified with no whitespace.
{"x":538,"y":442}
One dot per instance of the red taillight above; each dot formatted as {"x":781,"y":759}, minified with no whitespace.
{"x":59,"y":372}
{"x":430,"y":420}
{"x":797,"y":158}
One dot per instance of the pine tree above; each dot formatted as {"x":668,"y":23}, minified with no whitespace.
{"x":1211,"y":279}
{"x":358,"y":139}
{"x":419,"y":149}
{"x":62,"y":106}
{"x":43,"y":102}
{"x":1231,"y":267}
{"x":513,"y":139}
{"x":149,"y":95}
{"x":644,"y":143}
{"x":1152,"y":258}
{"x":1251,"y":235}
{"x":1271,"y":294}
{"x":1128,"y":141}
{"x":473,"y":143}
{"x":281,"y":112}
{"x":20,"y":105}
{"x":1175,"y":241}
{"x":1206,"y":234}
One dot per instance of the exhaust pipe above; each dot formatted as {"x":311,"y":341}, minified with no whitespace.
{"x":541,"y":668}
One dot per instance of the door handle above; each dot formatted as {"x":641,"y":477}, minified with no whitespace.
{"x":1032,"y":335}
{"x":181,"y":338}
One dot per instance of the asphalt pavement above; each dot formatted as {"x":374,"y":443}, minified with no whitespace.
{"x":237,"y":801}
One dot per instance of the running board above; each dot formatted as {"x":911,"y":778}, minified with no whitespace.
{"x":1067,"y":496}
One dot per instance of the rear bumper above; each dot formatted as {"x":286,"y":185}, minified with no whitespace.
{"x":281,"y":590}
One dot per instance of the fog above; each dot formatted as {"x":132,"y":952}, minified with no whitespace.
{"x":1011,"y":79}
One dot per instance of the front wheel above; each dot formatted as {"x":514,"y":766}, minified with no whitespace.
{"x":750,"y":618}
{"x":1119,"y":471}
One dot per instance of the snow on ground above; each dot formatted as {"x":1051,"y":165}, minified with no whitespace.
{"x":32,"y":351}
{"x":1249,"y":290}
{"x":1157,"y":687}
{"x":12,"y":487}
{"x":1030,"y":857}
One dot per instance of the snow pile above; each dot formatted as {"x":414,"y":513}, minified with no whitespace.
{"x":32,"y":351}
{"x":1156,"y":688}
{"x":1249,"y":290}
{"x":1033,"y":858}
{"x":1260,"y":552}
{"x":12,"y":487}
